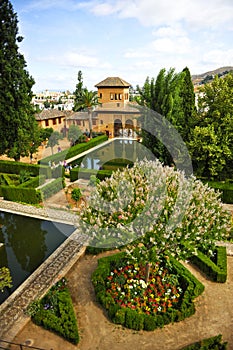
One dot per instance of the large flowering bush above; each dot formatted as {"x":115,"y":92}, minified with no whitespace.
{"x":154,"y":209}
{"x":126,"y":285}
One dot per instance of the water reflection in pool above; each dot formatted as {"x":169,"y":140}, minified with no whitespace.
{"x":118,"y":148}
{"x":27,"y":242}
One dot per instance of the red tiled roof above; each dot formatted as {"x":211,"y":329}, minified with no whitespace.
{"x":113,"y":82}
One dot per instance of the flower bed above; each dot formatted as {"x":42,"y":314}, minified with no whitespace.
{"x":167,"y":297}
{"x":126,"y":285}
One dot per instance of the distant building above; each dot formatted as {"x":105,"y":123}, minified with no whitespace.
{"x":115,"y":116}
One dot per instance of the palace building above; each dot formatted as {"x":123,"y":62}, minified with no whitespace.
{"x":115,"y":115}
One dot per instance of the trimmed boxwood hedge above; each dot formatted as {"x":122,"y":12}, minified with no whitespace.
{"x":131,"y":318}
{"x":77,"y":173}
{"x":117,"y":163}
{"x":74,"y":150}
{"x":55,"y":312}
{"x":216,"y":271}
{"x":33,"y":182}
{"x":17,"y":194}
{"x":52,"y":188}
{"x":213,"y":343}
{"x":12,"y":167}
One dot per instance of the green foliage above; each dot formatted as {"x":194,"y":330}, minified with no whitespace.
{"x":94,"y":180}
{"x":74,"y":133}
{"x":211,"y":144}
{"x":24,"y":176}
{"x":10,"y":167}
{"x":19,"y":194}
{"x":45,"y":133}
{"x":87,"y":100}
{"x":81,"y":173}
{"x":9,"y":179}
{"x":18,"y":126}
{"x":78,"y":92}
{"x":51,"y":188}
{"x":76,"y":194}
{"x":138,"y":320}
{"x":170,"y":95}
{"x":5,"y":278}
{"x":216,"y":271}
{"x":142,"y":219}
{"x":117,"y":163}
{"x":213,"y":343}
{"x":54,"y":140}
{"x":55,"y":312}
{"x":74,"y":150}
{"x":225,"y":188}
{"x":34,"y":182}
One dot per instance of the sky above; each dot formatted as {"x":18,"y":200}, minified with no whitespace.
{"x":131,"y":39}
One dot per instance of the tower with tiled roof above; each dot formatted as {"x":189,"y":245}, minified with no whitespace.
{"x":114,"y":91}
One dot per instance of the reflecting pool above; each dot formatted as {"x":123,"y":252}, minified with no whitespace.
{"x":27,"y":243}
{"x":118,"y":148}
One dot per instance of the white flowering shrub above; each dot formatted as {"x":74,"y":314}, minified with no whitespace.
{"x":154,"y":209}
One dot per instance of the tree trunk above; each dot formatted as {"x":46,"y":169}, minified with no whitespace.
{"x":148,"y":266}
{"x":90,"y":122}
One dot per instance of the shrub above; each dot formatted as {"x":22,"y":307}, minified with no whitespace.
{"x":82,"y":173}
{"x":94,"y":180}
{"x":55,"y":312}
{"x":225,"y":188}
{"x":132,"y":318}
{"x":33,"y":182}
{"x":52,"y":188}
{"x":20,"y":194}
{"x":216,"y":271}
{"x":213,"y":343}
{"x":12,"y":167}
{"x":76,"y":194}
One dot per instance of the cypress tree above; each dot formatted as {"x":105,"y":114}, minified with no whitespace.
{"x":18,"y":126}
{"x":187,"y":122}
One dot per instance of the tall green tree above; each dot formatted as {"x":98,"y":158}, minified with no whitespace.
{"x":162,"y":96}
{"x":88,"y":100}
{"x":211,"y":145}
{"x":186,"y":118}
{"x":18,"y":127}
{"x":54,"y":140}
{"x":74,"y":133}
{"x":78,"y":92}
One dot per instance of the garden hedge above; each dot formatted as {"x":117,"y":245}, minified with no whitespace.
{"x":73,"y":151}
{"x":17,"y":194}
{"x":216,"y":271}
{"x":131,"y":318}
{"x":117,"y":163}
{"x":33,"y":182}
{"x":12,"y":167}
{"x":52,"y":187}
{"x":77,"y":173}
{"x":225,"y":188}
{"x":55,"y":312}
{"x":213,"y":343}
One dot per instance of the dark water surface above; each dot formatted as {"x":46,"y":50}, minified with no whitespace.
{"x":27,"y":244}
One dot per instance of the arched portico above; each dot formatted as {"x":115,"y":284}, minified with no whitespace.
{"x":117,"y":127}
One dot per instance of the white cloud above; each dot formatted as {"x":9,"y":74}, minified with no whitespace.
{"x":196,"y":13}
{"x":219,"y":58}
